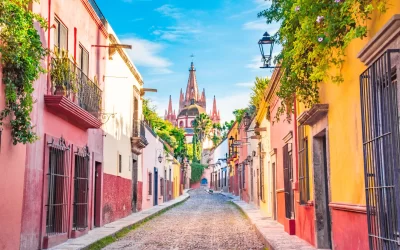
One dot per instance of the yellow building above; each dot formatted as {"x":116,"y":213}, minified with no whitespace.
{"x":355,"y":127}
{"x":176,"y":178}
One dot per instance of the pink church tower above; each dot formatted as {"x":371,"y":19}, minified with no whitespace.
{"x":170,"y":115}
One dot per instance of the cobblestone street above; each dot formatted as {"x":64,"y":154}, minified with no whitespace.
{"x":204,"y":221}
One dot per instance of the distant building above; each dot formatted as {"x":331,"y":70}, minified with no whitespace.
{"x":191,"y":104}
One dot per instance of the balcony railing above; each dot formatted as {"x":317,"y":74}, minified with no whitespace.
{"x":76,"y":86}
{"x":139,"y":130}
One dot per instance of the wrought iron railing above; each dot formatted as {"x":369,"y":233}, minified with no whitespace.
{"x":381,"y":137}
{"x":98,"y":12}
{"x":76,"y":86}
{"x":139,"y":130}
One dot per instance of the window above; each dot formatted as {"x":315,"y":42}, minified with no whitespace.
{"x":81,"y":188}
{"x":244,"y":175}
{"x":181,"y":124}
{"x":119,"y":163}
{"x":60,"y":36}
{"x":261,"y":182}
{"x":304,"y":186}
{"x":58,"y":186}
{"x":287,"y":178}
{"x":161,"y":186}
{"x":150,"y":184}
{"x":380,"y":124}
{"x":83,"y":60}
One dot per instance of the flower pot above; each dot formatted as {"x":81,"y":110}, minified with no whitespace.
{"x":59,"y":90}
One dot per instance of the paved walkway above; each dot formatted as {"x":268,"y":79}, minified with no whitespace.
{"x":275,"y":238}
{"x":116,"y":226}
{"x":206,"y":221}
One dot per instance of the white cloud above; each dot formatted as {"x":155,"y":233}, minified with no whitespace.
{"x":227,"y":104}
{"x":146,"y":53}
{"x":173,"y":33}
{"x":169,"y":10}
{"x":255,"y":63}
{"x":259,"y":25}
{"x":262,"y":3}
{"x":244,"y":84}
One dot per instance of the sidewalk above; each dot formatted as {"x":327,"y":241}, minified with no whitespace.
{"x":116,"y":226}
{"x":271,"y":231}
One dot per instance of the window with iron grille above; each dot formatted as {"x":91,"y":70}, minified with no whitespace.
{"x":58,"y":187}
{"x":119,"y":163}
{"x":150,"y":183}
{"x":261,"y":184}
{"x":60,"y":35}
{"x":161,"y":186}
{"x":288,"y":177}
{"x":304,"y":186}
{"x":379,"y":109}
{"x":81,"y":189}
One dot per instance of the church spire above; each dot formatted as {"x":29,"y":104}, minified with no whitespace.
{"x":192,"y":90}
{"x":170,"y":106}
{"x":215,"y":112}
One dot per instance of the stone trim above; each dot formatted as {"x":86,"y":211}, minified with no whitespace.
{"x":288,"y":137}
{"x":273,"y":152}
{"x":312,"y":116}
{"x":381,"y":41}
{"x":348,"y":207}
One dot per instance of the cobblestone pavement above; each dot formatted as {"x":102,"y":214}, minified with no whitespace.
{"x":205,"y":221}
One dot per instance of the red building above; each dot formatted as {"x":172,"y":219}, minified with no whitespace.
{"x":54,"y":185}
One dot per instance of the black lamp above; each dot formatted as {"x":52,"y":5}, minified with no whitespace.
{"x":266,"y":44}
{"x":246,"y":120}
{"x":160,"y":158}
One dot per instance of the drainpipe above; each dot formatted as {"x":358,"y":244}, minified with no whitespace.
{"x":295,"y":145}
{"x":48,"y":46}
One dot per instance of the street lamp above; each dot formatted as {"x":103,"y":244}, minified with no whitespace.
{"x":265,"y":43}
{"x":160,"y":158}
{"x":246,"y":120}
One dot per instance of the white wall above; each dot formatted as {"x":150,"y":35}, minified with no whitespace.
{"x":119,"y":93}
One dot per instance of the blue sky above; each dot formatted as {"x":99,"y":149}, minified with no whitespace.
{"x":222,"y":34}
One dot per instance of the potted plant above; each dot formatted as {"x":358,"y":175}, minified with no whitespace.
{"x":62,"y":77}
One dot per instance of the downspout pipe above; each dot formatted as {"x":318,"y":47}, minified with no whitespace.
{"x":296,"y":179}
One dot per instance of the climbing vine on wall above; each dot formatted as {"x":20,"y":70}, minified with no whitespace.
{"x":21,"y":54}
{"x":314,"y":35}
{"x":197,"y":171}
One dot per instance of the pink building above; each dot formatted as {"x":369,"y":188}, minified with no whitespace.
{"x":53,"y":186}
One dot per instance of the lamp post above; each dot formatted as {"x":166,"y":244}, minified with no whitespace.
{"x":266,"y":44}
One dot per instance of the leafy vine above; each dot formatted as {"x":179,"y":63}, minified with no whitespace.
{"x":21,"y":54}
{"x":314,"y":35}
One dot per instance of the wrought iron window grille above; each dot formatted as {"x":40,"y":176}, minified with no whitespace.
{"x":381,"y":145}
{"x":81,"y":189}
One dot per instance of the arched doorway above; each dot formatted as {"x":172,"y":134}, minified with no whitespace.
{"x":204,"y":181}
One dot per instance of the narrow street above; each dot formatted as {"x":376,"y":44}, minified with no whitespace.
{"x":204,"y":221}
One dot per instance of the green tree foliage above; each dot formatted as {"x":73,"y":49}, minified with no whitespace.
{"x":21,"y":54}
{"x":174,"y":136}
{"x":314,"y":35}
{"x":202,"y":125}
{"x":258,"y":90}
{"x":197,"y":172}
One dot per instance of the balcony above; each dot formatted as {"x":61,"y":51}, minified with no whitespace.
{"x":73,"y":96}
{"x":138,"y":140}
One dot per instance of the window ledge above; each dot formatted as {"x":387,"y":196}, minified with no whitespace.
{"x":381,"y":41}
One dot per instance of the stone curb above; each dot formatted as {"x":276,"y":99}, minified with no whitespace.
{"x":93,"y":239}
{"x":275,"y":238}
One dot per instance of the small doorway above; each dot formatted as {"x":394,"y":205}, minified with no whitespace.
{"x":135,"y":202}
{"x":322,"y":213}
{"x":204,"y":182}
{"x":155,"y":187}
{"x":97,"y":195}
{"x":273,"y":191}
{"x":251,"y":182}
{"x":258,"y":188}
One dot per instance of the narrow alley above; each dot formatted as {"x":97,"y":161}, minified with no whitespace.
{"x":205,"y":221}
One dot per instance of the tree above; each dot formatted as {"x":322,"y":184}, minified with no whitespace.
{"x":172,"y":135}
{"x":258,"y":89}
{"x":202,"y":127}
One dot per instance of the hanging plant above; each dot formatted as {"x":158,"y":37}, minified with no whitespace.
{"x":314,"y":35}
{"x":21,"y":55}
